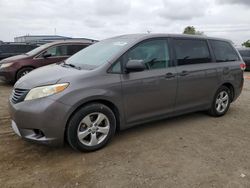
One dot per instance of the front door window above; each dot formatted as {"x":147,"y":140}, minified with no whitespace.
{"x":154,"y":54}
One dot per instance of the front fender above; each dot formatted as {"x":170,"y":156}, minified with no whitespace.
{"x":78,"y":98}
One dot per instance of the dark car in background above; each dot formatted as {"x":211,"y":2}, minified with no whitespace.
{"x":11,"y":49}
{"x":13,"y":68}
{"x":245,"y":54}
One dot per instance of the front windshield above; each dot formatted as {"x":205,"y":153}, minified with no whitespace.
{"x":98,"y":53}
{"x":38,"y":49}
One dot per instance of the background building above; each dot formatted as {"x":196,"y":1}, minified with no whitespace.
{"x":41,"y":39}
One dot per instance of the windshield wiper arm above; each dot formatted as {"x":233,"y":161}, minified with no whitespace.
{"x":70,"y":65}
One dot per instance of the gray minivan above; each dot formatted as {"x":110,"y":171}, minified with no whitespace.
{"x":124,"y":81}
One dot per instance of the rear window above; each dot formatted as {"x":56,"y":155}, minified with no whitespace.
{"x":189,"y":51}
{"x":223,"y":51}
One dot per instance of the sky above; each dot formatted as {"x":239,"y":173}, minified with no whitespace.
{"x":100,"y":19}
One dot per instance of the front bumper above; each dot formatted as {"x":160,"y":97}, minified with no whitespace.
{"x":40,"y":120}
{"x":7,"y":75}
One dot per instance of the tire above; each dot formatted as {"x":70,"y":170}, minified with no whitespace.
{"x":91,"y":127}
{"x":221,"y":102}
{"x":23,"y":71}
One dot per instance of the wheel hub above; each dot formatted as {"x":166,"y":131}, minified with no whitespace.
{"x":93,"y":129}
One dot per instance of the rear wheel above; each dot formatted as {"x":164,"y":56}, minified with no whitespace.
{"x":91,"y":127}
{"x":221,"y":102}
{"x":22,"y":72}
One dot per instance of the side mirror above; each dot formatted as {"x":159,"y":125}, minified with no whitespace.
{"x":135,"y":66}
{"x":46,"y":55}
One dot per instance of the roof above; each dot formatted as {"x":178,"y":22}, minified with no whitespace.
{"x":69,"y":41}
{"x":155,"y":35}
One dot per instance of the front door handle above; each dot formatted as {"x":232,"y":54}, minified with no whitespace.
{"x":170,"y":75}
{"x":184,"y":73}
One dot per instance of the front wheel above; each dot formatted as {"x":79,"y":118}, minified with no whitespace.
{"x":221,"y":102}
{"x":22,"y":72}
{"x":91,"y":127}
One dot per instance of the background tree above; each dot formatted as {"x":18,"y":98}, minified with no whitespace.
{"x":192,"y":31}
{"x":246,"y":44}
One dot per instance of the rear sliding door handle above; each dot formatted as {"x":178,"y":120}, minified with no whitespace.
{"x":184,"y":73}
{"x":170,"y":75}
{"x":226,"y":70}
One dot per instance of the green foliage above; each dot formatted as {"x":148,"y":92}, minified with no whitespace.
{"x":192,"y":31}
{"x":246,"y":44}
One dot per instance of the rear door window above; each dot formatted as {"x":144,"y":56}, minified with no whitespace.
{"x":223,"y":51}
{"x":191,"y":51}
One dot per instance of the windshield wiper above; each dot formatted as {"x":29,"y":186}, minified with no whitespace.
{"x":70,"y":65}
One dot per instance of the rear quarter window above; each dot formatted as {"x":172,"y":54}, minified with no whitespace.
{"x":223,"y":51}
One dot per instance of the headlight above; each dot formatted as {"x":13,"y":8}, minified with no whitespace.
{"x":6,"y":65}
{"x":44,"y":91}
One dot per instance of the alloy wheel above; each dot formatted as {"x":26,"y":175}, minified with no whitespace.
{"x":93,"y":129}
{"x":222,"y":101}
{"x":24,"y":73}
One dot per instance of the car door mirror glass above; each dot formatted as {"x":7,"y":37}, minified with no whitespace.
{"x":135,"y":66}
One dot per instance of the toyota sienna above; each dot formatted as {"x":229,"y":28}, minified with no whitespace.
{"x":124,"y":81}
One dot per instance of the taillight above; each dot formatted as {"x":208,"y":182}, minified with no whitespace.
{"x":243,"y":66}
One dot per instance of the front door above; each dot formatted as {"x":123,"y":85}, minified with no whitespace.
{"x":149,"y":93}
{"x":57,"y":53}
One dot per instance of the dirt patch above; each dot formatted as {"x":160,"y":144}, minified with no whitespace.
{"x":193,"y":150}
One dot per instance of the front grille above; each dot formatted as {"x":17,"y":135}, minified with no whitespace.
{"x":18,"y":95}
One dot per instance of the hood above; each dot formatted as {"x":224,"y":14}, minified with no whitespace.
{"x":46,"y":75}
{"x":14,"y":58}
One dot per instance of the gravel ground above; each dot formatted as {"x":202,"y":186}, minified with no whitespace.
{"x":193,"y":150}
